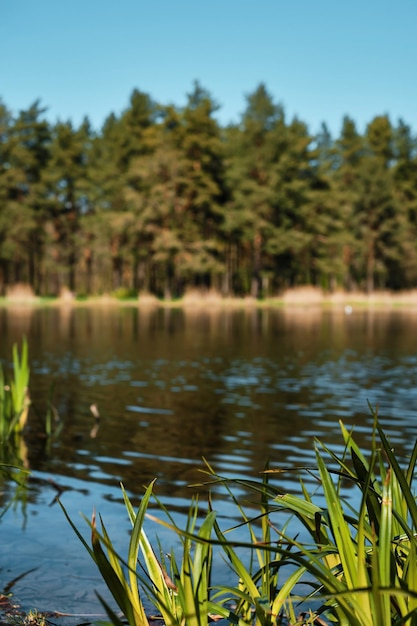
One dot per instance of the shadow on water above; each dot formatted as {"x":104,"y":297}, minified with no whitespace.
{"x":172,"y":386}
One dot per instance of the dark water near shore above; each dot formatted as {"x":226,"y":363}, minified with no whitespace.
{"x":173,"y":386}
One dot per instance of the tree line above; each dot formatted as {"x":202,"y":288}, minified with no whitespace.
{"x":163,"y":199}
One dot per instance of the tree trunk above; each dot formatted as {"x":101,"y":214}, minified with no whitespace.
{"x":370,"y":265}
{"x":257,"y":242}
{"x":89,"y":274}
{"x":117,"y":272}
{"x":227,"y":276}
{"x":71,"y":272}
{"x":4,"y":277}
{"x":347,"y":279}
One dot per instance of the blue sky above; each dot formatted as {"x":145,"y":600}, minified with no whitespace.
{"x":321,"y":59}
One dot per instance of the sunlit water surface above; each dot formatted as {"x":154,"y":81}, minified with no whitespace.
{"x":172,"y":387}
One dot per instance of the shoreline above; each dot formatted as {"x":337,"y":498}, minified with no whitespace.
{"x":300,"y":298}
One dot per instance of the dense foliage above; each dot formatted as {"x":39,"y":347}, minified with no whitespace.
{"x":163,"y":199}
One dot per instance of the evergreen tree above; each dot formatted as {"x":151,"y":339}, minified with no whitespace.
{"x":201,"y":186}
{"x":327,"y":219}
{"x":105,"y":222}
{"x":254,"y":150}
{"x":403,"y":268}
{"x":123,"y":140}
{"x":350,"y":152}
{"x":24,"y":154}
{"x":151,"y":196}
{"x":376,"y":211}
{"x":291,"y":238}
{"x":163,"y":199}
{"x":67,"y":201}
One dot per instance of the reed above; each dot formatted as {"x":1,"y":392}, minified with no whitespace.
{"x":14,"y":395}
{"x":359,"y":562}
{"x":178,"y":589}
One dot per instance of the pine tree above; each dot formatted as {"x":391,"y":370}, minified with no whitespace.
{"x":151,"y":196}
{"x":327,"y":218}
{"x":67,"y":201}
{"x":254,"y":150}
{"x":201,"y":187}
{"x":403,"y":268}
{"x":24,"y":155}
{"x":376,"y":212}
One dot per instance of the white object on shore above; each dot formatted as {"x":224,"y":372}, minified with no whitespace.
{"x":348,"y":309}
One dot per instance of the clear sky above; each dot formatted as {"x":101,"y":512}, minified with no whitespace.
{"x":321,"y":59}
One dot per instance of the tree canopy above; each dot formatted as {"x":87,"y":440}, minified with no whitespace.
{"x":163,"y":199}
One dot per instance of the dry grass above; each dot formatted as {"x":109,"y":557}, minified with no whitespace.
{"x":303,"y":295}
{"x":314,"y":296}
{"x":198,"y":298}
{"x":66,"y":296}
{"x":148,"y":300}
{"x":195,"y":298}
{"x":20,"y":292}
{"x":303,"y":298}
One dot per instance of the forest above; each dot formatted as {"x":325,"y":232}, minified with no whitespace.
{"x":164,"y":199}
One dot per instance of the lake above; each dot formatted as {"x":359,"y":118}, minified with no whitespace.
{"x":172,"y":386}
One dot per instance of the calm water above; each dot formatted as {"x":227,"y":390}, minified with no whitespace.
{"x":172,"y":387}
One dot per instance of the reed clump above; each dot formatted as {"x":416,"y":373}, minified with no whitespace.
{"x":355,"y":549}
{"x":14,"y":395}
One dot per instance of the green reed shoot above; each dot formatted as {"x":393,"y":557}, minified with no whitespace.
{"x":178,"y":589}
{"x":363,"y":559}
{"x":14,"y":394}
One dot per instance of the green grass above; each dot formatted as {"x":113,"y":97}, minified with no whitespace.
{"x":123,"y":293}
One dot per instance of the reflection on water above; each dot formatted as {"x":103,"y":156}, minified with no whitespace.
{"x":173,"y":386}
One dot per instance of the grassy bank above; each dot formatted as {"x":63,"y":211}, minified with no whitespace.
{"x":303,"y":297}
